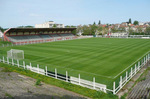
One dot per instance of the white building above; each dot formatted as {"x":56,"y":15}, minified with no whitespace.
{"x":1,"y":34}
{"x":141,"y":23}
{"x":119,"y":34}
{"x":49,"y":24}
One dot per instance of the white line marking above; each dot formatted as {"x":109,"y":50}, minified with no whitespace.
{"x":131,"y":64}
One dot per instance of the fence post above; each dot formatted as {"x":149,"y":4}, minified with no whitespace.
{"x":55,"y":73}
{"x":66,"y":76}
{"x":147,"y":58}
{"x":79,"y":79}
{"x":120,"y":82}
{"x":7,"y":60}
{"x":24,"y":64}
{"x":18,"y":62}
{"x":144,"y":60}
{"x":93,"y":82}
{"x":139,"y":65}
{"x":126,"y":76}
{"x":46,"y":70}
{"x":38,"y":68}
{"x":135,"y":68}
{"x":131,"y":72}
{"x":12,"y":61}
{"x":30,"y":66}
{"x":114,"y":88}
{"x":3,"y":59}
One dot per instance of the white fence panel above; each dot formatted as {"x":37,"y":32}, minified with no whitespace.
{"x":88,"y":84}
{"x":35,"y":69}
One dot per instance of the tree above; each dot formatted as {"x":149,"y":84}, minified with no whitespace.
{"x":94,"y":23}
{"x":113,"y":30}
{"x":28,"y":26}
{"x":99,"y":30}
{"x":67,"y":26}
{"x":139,"y":29}
{"x":136,"y":22}
{"x":54,"y":26}
{"x":131,"y":31}
{"x":74,"y":32}
{"x":99,"y":22}
{"x":130,"y":20}
{"x":121,"y":29}
{"x":1,"y":29}
{"x":93,"y":29}
{"x":86,"y":30}
{"x":148,"y":30}
{"x":73,"y":26}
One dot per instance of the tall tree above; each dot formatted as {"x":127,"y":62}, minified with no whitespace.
{"x":94,"y":23}
{"x":130,"y":20}
{"x":148,"y":30}
{"x":54,"y":26}
{"x":99,"y":22}
{"x":1,"y":29}
{"x":136,"y":22}
{"x":93,"y":29}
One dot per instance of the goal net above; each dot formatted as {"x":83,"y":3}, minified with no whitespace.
{"x":15,"y":54}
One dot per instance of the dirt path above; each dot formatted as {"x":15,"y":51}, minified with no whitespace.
{"x":16,"y":86}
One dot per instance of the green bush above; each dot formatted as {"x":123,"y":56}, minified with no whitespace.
{"x":38,"y":82}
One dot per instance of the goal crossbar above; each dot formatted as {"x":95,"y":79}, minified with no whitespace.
{"x":15,"y":54}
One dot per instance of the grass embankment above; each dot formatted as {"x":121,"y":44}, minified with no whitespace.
{"x":68,"y":86}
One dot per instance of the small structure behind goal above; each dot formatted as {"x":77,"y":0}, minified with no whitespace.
{"x":15,"y":54}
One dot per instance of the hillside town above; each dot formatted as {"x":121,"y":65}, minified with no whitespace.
{"x":135,"y":28}
{"x":119,"y":29}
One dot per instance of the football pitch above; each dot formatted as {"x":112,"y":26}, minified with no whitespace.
{"x":103,"y":58}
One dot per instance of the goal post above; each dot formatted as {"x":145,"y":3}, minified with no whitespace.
{"x":15,"y":54}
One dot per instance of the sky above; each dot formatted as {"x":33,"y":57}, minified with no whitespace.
{"x":15,"y":13}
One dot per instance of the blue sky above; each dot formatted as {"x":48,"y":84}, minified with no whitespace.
{"x":14,"y":13}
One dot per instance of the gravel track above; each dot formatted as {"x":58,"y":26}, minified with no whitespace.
{"x":16,"y":86}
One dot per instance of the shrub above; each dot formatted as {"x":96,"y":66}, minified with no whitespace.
{"x":38,"y":82}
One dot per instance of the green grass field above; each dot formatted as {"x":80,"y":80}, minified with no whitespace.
{"x":102,"y":58}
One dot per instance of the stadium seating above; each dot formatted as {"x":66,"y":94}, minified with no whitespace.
{"x":66,"y":35}
{"x":45,"y":36}
{"x":41,"y":38}
{"x":54,"y":35}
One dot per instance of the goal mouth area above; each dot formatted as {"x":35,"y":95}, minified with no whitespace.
{"x":15,"y":54}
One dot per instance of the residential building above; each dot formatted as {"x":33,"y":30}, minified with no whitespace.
{"x":49,"y":24}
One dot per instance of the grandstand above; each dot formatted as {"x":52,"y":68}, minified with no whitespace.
{"x":37,"y":35}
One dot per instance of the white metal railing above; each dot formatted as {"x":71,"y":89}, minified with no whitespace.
{"x":71,"y":79}
{"x":34,"y":41}
{"x":132,"y":72}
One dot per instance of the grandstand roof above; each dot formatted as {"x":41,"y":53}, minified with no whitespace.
{"x":11,"y":30}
